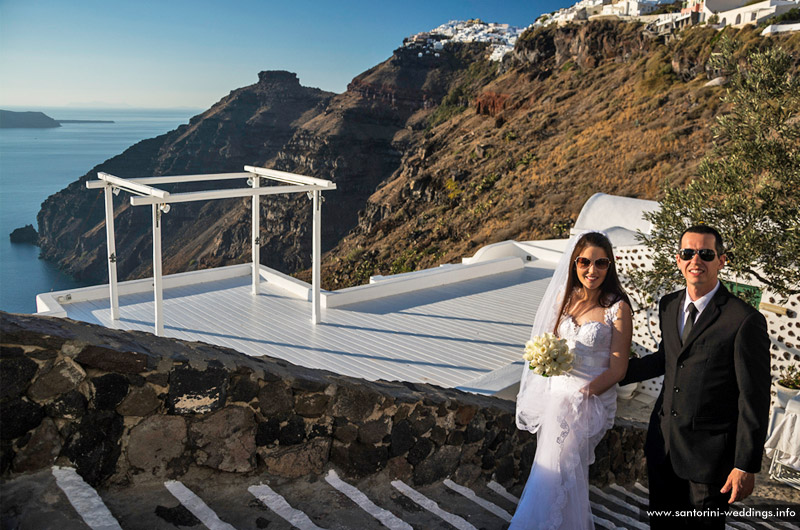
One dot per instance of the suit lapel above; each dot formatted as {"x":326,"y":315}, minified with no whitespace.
{"x":672,"y":312}
{"x":709,"y":315}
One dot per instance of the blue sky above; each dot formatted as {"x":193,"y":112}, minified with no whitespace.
{"x":181,"y":53}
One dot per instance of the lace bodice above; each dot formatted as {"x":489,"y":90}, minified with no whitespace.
{"x":568,"y":426}
{"x":591,"y":341}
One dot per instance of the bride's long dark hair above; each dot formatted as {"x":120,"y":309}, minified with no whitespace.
{"x":611,"y":289}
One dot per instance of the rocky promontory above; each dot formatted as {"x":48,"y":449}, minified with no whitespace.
{"x":26,"y":120}
{"x":24,"y":234}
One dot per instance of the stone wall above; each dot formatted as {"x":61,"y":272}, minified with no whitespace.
{"x":120,"y":404}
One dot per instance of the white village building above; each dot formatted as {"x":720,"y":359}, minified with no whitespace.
{"x":738,"y":13}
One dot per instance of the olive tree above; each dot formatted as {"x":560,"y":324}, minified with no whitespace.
{"x":748,"y":186}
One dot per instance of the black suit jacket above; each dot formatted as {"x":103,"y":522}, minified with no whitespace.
{"x":712,"y":413}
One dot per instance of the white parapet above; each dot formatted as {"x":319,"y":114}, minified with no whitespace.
{"x":780,"y":28}
{"x":401,"y":284}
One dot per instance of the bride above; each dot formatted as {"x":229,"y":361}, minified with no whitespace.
{"x":586,"y":305}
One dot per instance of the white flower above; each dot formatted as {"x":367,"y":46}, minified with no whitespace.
{"x":548,"y":355}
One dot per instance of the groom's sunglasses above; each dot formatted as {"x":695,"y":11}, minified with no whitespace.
{"x":600,"y":263}
{"x":706,"y":254}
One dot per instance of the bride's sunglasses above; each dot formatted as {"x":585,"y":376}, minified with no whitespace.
{"x":706,"y":254}
{"x":600,"y":263}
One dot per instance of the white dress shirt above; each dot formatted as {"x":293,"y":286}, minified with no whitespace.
{"x":700,"y":304}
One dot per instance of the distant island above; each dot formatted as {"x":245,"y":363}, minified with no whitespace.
{"x":35,"y":120}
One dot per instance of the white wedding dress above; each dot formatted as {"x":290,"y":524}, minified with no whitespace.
{"x":568,"y":428}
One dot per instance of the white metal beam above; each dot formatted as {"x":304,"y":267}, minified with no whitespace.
{"x":158,"y":286}
{"x":290,"y":177}
{"x":256,"y":238}
{"x":315,"y":257}
{"x":112,"y":252}
{"x":172,"y":179}
{"x":221,"y":194}
{"x":127,"y":184}
{"x":145,"y":193}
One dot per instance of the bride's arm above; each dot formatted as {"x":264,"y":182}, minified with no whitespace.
{"x":620,"y":352}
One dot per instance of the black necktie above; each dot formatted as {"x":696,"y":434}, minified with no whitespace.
{"x":687,"y":328}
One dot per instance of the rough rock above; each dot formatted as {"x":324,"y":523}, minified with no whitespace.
{"x":422,"y":420}
{"x":464,"y":414}
{"x":71,"y":405}
{"x":373,"y":432}
{"x":109,"y":390}
{"x":19,"y":416}
{"x":438,"y":466}
{"x":111,"y":360}
{"x":294,"y":432}
{"x":42,"y":449}
{"x":16,"y":374}
{"x":403,"y":438}
{"x":64,"y":376}
{"x":156,"y":441}
{"x":311,"y":405}
{"x":476,"y":430}
{"x":344,"y":431}
{"x":24,"y":234}
{"x":267,"y":432}
{"x":355,"y":403}
{"x":413,"y":431}
{"x":505,"y":469}
{"x":275,"y":399}
{"x":298,"y":460}
{"x":225,"y":440}
{"x":94,"y":446}
{"x":140,"y":401}
{"x":420,"y":451}
{"x":243,"y":389}
{"x":359,"y":459}
{"x":196,"y":391}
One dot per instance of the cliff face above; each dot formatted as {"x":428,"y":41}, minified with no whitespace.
{"x":349,"y":138}
{"x":574,"y":111}
{"x":249,"y":126}
{"x":432,"y":156}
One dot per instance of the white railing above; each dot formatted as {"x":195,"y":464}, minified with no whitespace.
{"x":145,"y":193}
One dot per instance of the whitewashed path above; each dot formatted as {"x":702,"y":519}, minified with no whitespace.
{"x":327,"y":502}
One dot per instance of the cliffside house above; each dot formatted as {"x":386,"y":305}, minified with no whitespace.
{"x":740,"y":13}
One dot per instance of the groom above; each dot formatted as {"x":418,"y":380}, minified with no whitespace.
{"x":708,"y":426}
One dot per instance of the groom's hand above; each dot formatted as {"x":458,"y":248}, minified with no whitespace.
{"x":740,"y":484}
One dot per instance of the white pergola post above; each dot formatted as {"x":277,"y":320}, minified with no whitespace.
{"x":108,"y":191}
{"x":315,"y":257}
{"x":158,"y":287}
{"x":256,"y":238}
{"x":144,"y":193}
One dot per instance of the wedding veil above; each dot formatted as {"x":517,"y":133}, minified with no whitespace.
{"x":531,"y":402}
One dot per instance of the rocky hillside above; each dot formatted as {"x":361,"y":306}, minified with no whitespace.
{"x":348,"y":138}
{"x":432,"y":156}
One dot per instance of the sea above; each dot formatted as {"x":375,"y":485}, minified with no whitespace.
{"x":36,"y":163}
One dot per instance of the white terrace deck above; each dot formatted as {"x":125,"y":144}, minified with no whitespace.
{"x":449,"y":326}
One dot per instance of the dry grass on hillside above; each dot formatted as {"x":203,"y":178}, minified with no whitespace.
{"x":623,"y":127}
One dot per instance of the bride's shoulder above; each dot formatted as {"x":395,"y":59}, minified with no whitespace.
{"x":618,"y":308}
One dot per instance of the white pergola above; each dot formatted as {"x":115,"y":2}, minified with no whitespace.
{"x":145,"y":193}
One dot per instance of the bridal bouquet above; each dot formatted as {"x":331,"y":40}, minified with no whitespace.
{"x":548,"y":355}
